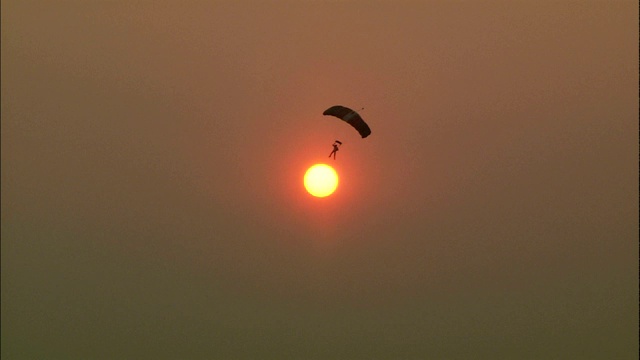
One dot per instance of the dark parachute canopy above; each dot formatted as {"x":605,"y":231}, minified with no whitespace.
{"x":351,"y":117}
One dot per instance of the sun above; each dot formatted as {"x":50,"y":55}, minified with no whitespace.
{"x":321,"y":180}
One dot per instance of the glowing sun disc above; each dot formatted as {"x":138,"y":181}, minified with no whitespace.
{"x":321,"y":180}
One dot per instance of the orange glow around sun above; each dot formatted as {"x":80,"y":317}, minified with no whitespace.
{"x":321,"y":180}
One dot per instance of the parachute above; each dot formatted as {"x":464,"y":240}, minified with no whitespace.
{"x":351,"y":117}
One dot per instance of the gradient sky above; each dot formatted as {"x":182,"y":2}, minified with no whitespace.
{"x":153,"y":155}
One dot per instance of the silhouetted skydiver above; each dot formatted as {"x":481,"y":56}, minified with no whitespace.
{"x":336,"y":147}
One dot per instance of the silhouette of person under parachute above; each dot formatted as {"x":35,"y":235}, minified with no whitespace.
{"x":336,"y":147}
{"x":352,"y":118}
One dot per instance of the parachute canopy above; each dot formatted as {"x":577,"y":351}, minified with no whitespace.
{"x":351,"y":117}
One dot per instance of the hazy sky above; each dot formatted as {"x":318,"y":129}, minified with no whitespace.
{"x":153,"y":155}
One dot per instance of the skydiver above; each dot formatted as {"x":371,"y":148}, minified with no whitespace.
{"x":336,"y":147}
